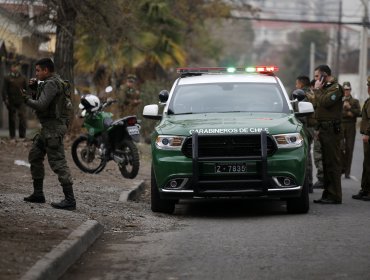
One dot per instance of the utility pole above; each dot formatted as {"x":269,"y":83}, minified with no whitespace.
{"x":363,"y":53}
{"x":339,"y":40}
{"x":312,"y":60}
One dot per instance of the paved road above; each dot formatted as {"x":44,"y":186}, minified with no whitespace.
{"x":243,"y":240}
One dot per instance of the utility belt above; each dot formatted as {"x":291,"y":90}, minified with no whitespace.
{"x":326,"y":125}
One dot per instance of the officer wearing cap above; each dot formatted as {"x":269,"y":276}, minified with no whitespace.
{"x":364,"y":193}
{"x":329,"y":104}
{"x":351,"y":110}
{"x":129,"y":96}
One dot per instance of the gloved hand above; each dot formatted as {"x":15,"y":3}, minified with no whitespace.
{"x":25,"y":95}
{"x":32,"y":84}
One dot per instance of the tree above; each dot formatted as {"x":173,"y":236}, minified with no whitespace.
{"x":297,"y":56}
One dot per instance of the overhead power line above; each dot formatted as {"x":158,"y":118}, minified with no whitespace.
{"x":301,"y":20}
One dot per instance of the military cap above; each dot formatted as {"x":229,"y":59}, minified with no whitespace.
{"x":347,"y":85}
{"x":368,"y":81}
{"x":131,"y":77}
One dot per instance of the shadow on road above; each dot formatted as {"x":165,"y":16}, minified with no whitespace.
{"x":221,"y":208}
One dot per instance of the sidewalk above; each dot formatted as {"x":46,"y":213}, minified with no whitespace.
{"x":40,"y":242}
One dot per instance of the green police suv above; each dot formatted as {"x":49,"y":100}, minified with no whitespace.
{"x":228,"y":132}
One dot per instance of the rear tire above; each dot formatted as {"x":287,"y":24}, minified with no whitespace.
{"x":299,"y":205}
{"x":157,"y":204}
{"x":132,"y":159}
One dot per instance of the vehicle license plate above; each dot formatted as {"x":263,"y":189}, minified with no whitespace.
{"x":133,"y":130}
{"x":232,"y":167}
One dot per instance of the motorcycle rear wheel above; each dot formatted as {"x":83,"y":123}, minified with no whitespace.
{"x":87,"y":156}
{"x":130,"y":167}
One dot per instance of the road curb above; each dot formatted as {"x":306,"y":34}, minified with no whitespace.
{"x":55,"y":263}
{"x":132,"y":194}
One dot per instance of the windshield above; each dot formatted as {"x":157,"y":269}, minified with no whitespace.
{"x":227,"y":97}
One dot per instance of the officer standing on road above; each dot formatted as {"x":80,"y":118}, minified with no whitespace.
{"x":14,"y":83}
{"x":351,"y":110}
{"x":364,"y":193}
{"x":328,"y":96}
{"x":50,"y":139}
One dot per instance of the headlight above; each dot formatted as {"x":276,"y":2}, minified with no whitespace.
{"x":167,"y":142}
{"x":291,"y":140}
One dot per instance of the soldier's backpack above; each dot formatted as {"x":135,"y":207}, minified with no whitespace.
{"x":64,"y":109}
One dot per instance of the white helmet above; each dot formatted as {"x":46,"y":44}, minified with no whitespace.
{"x":90,"y":103}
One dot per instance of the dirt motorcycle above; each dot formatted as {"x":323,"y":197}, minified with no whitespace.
{"x":106,"y":139}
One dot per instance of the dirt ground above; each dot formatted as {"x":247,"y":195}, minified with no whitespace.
{"x":28,"y":231}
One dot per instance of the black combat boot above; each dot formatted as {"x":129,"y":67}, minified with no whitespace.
{"x":361,"y":195}
{"x":69,"y":203}
{"x":38,"y":194}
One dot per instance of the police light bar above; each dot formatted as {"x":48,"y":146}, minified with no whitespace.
{"x":251,"y":69}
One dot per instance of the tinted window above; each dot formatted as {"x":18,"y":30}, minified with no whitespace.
{"x":228,"y":97}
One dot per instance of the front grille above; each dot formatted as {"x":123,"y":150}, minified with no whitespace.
{"x":228,"y":145}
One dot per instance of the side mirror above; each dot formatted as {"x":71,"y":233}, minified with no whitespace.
{"x":163,"y":96}
{"x":151,"y":112}
{"x":304,"y":109}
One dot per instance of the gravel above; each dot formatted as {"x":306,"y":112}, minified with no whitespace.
{"x":28,"y":231}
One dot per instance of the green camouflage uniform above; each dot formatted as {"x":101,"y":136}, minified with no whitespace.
{"x":349,"y":118}
{"x":128,"y":101}
{"x":309,"y":125}
{"x":12,"y":97}
{"x":317,"y":155}
{"x":50,"y":139}
{"x":328,"y":114}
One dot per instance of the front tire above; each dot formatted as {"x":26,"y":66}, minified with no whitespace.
{"x":157,"y":204}
{"x":87,"y":156}
{"x":299,"y":205}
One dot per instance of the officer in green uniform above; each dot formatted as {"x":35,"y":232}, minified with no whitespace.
{"x":14,"y":83}
{"x":364,"y":193}
{"x":50,"y":139}
{"x":129,"y":97}
{"x":351,"y":110}
{"x":328,"y":96}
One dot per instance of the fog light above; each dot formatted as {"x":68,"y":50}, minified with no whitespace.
{"x":173,"y":184}
{"x":287,"y":181}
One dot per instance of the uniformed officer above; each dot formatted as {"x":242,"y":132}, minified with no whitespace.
{"x":14,"y":83}
{"x":129,"y":97}
{"x":328,"y":96}
{"x":351,"y":110}
{"x":50,"y":139}
{"x":364,"y":193}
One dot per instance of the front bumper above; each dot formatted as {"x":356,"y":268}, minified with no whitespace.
{"x":280,"y":193}
{"x":278,"y":176}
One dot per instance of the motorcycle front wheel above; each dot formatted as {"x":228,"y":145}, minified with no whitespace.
{"x":128,"y":151}
{"x":87,"y":156}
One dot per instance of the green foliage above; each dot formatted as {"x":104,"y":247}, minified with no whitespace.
{"x":297,"y":57}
